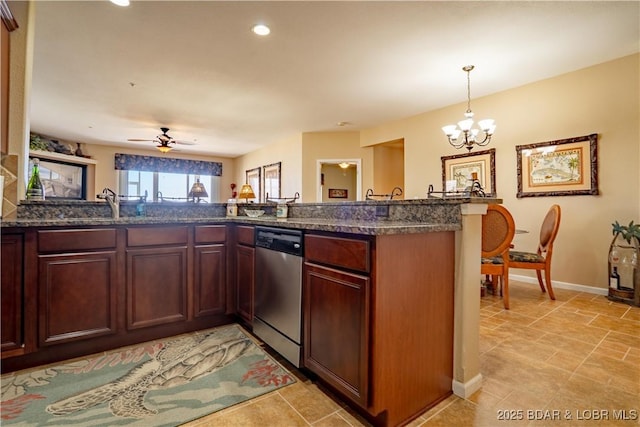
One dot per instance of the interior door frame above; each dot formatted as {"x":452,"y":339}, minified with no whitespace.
{"x":320,"y":162}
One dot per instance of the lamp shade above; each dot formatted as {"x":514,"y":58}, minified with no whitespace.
{"x":198,"y":190}
{"x":246,"y":192}
{"x":164,"y":148}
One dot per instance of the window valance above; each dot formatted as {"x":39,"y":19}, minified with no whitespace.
{"x":166,"y":164}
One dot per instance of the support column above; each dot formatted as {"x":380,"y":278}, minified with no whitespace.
{"x":466,"y":340}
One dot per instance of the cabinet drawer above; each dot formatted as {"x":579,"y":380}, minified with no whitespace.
{"x":74,"y":240}
{"x":339,"y":252}
{"x":246,"y":235}
{"x":211,"y":234}
{"x":149,"y":236}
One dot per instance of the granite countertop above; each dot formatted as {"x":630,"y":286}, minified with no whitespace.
{"x":319,"y":224}
{"x":362,"y":217}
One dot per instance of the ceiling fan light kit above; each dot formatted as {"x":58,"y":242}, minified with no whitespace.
{"x":163,"y":141}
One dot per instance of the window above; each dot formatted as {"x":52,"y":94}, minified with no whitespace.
{"x":163,"y":186}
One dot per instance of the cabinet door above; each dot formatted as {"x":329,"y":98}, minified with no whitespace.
{"x":245,"y":279}
{"x":336,"y":329}
{"x":12,"y":292}
{"x":77,"y":296}
{"x":156,"y":286}
{"x":210,"y":280}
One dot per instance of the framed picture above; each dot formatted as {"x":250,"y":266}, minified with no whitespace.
{"x":253,"y":179}
{"x":62,"y":180}
{"x":271,"y":174}
{"x":461,"y":168}
{"x":338,"y":193}
{"x":566,"y":167}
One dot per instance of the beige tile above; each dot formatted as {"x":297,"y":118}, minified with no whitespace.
{"x":333,"y":420}
{"x":309,"y":401}
{"x":599,"y":305}
{"x":271,"y":410}
{"x":566,"y":343}
{"x":631,"y":341}
{"x":607,"y":370}
{"x":577,"y":331}
{"x":565,"y":360}
{"x":515,"y":318}
{"x":632,"y":314}
{"x":624,"y":326}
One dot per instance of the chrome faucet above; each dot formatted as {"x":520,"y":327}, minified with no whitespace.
{"x":112,"y":198}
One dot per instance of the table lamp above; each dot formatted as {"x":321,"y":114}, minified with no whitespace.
{"x":197,"y":191}
{"x":246,"y":192}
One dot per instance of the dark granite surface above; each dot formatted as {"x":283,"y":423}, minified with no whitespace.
{"x":367,"y":217}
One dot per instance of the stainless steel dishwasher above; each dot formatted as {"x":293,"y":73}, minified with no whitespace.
{"x":278,"y":290}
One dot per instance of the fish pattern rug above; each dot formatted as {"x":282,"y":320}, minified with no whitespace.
{"x":160,"y":383}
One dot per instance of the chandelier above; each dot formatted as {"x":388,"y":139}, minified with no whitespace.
{"x":465,"y":127}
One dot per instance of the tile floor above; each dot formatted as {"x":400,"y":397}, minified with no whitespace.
{"x":574,"y":361}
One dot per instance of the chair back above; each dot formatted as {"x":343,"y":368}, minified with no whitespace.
{"x":498,"y":229}
{"x":549,"y":230}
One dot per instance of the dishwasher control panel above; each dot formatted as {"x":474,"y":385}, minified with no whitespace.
{"x":281,"y":240}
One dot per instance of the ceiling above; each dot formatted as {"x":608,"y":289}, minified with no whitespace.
{"x":104,"y":74}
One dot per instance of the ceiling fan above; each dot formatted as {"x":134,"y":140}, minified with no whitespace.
{"x":163,"y":141}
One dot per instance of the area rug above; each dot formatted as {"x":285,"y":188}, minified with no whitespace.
{"x":161,"y":383}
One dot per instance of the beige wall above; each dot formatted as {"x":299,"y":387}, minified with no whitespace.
{"x":388,"y":166}
{"x":288,"y":152}
{"x":337,"y":178}
{"x":602,"y":99}
{"x":21,"y":66}
{"x":332,"y":145}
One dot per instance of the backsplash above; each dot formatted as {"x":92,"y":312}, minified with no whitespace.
{"x":437,"y":211}
{"x":9,"y":170}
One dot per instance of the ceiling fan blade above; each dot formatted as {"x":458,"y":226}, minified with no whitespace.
{"x":140,"y":140}
{"x":185,"y":142}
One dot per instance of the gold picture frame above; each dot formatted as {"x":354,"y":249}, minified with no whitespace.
{"x":338,"y":193}
{"x":565,"y":167}
{"x":460,"y":168}
{"x":272,"y":180}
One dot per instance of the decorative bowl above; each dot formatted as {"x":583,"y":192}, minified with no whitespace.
{"x":254,"y":213}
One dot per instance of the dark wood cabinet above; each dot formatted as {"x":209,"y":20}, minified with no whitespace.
{"x":68,"y":292}
{"x":210,"y":270}
{"x":156,"y":281}
{"x":378,"y":320}
{"x":77,"y":284}
{"x":77,"y":296}
{"x":12,"y":294}
{"x":245,"y":272}
{"x":156,"y":286}
{"x":336,"y":345}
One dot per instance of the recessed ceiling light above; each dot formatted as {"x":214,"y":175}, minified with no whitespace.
{"x":120,"y":2}
{"x":261,"y":29}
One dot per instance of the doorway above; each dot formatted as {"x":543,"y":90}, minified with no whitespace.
{"x":388,"y":167}
{"x":339,"y":180}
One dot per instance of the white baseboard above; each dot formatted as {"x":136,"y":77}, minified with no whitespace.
{"x":465,"y":390}
{"x":562,"y":285}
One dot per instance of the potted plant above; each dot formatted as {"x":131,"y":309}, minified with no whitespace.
{"x":623,"y":263}
{"x":627,"y":232}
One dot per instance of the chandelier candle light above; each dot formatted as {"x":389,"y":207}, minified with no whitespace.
{"x":470,"y":135}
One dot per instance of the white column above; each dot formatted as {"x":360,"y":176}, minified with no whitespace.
{"x":466,"y":339}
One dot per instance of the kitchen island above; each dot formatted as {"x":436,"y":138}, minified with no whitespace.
{"x":380,"y":291}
